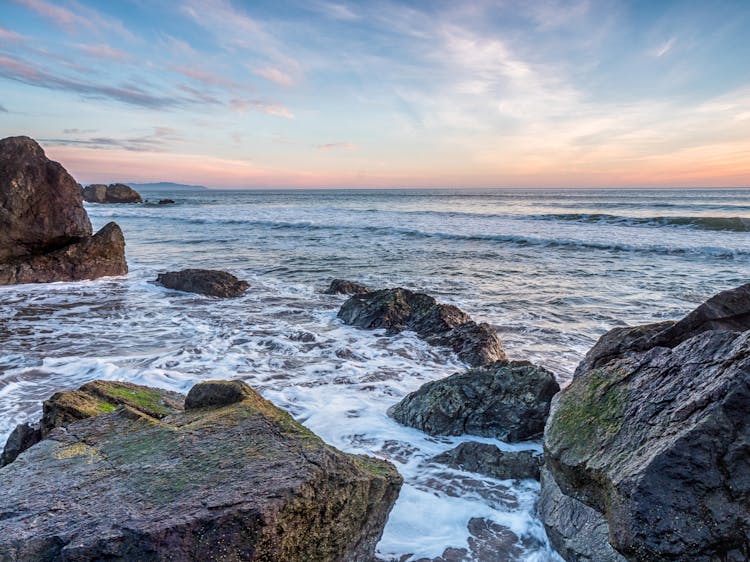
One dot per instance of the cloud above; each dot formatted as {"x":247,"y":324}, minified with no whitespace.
{"x":241,"y":105}
{"x":2,"y":109}
{"x":337,"y":11}
{"x":158,"y":141}
{"x":103,"y":51}
{"x":337,"y":146}
{"x":275,"y":75}
{"x":76,"y":21}
{"x":206,"y":77}
{"x":78,"y":131}
{"x":21,"y":71}
{"x":11,"y":36}
{"x":664,"y":48}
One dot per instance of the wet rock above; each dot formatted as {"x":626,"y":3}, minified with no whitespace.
{"x":488,"y":542}
{"x":344,"y":287}
{"x":446,"y":325}
{"x":166,"y":202}
{"x":45,"y":233}
{"x":101,"y":255}
{"x":508,"y":400}
{"x":657,"y":443}
{"x":204,"y":281}
{"x":490,"y":460}
{"x":113,"y":193}
{"x":725,"y":311}
{"x":20,"y":439}
{"x":40,"y":203}
{"x":238,"y":482}
{"x":213,"y":394}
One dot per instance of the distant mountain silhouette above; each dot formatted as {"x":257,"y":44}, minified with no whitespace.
{"x":164,"y":185}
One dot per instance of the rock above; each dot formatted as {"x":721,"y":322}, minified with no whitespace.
{"x":488,"y":541}
{"x":204,"y":281}
{"x":40,"y":203}
{"x":113,"y":193}
{"x":728,"y":311}
{"x":211,"y":394}
{"x":45,"y":233}
{"x":446,"y":325}
{"x":343,"y":287}
{"x":166,"y":202}
{"x":21,"y":438}
{"x":490,"y":460}
{"x":238,"y":482}
{"x":508,"y":400}
{"x":101,"y":255}
{"x":657,"y":443}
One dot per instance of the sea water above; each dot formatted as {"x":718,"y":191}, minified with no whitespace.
{"x":550,"y":270}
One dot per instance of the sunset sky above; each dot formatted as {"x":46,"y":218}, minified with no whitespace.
{"x":240,"y":93}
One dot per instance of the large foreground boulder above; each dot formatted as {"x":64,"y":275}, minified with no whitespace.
{"x":45,"y":233}
{"x":397,"y":310}
{"x":225,"y":479}
{"x":508,"y":400}
{"x":647,"y":456}
{"x":205,"y":282}
{"x":113,"y":193}
{"x":40,"y":203}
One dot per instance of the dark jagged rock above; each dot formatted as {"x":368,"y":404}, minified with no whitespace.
{"x":166,"y":201}
{"x":20,"y":439}
{"x":487,"y":541}
{"x":212,"y":394}
{"x":490,"y":460}
{"x":101,"y":255}
{"x":113,"y":193}
{"x":204,"y":281}
{"x":652,"y":450}
{"x":344,"y":287}
{"x":237,"y":482}
{"x":508,"y":400}
{"x":40,"y":203}
{"x":446,"y":325}
{"x":45,"y":233}
{"x":727,"y":311}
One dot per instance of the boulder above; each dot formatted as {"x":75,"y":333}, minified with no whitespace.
{"x":487,"y":541}
{"x":40,"y":203}
{"x":92,"y":257}
{"x":490,"y":460}
{"x":344,"y":287}
{"x":508,"y":400}
{"x":45,"y":233}
{"x":653,"y":450}
{"x":242,"y":481}
{"x":397,"y":310}
{"x":113,"y":193}
{"x":20,"y":439}
{"x":728,"y":311}
{"x":212,"y":394}
{"x":204,"y":281}
{"x":166,"y":201}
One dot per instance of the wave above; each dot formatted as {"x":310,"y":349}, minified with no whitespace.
{"x":726,"y":224}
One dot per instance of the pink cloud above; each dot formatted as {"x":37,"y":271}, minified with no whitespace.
{"x":276,"y":110}
{"x":206,"y":76}
{"x":60,"y":16}
{"x":275,"y":75}
{"x":337,"y":146}
{"x":103,"y":51}
{"x":10,"y":36}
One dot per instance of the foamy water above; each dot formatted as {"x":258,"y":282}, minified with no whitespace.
{"x":551,"y":271}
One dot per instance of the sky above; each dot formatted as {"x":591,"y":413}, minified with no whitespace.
{"x":287,"y":94}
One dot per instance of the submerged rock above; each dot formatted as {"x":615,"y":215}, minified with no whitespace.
{"x":204,"y":281}
{"x":490,"y":460}
{"x":166,"y":202}
{"x":237,"y":482}
{"x":508,"y":400}
{"x":344,"y":287}
{"x":445,"y":325}
{"x":45,"y":233}
{"x":113,"y":193}
{"x":647,"y":457}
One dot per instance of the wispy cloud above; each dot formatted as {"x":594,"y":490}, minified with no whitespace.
{"x":157,"y":141}
{"x":277,"y":110}
{"x":103,"y":51}
{"x":6,"y":35}
{"x":337,"y":11}
{"x":206,"y":77}
{"x":2,"y":109}
{"x":664,"y":48}
{"x":337,"y":146}
{"x":275,"y":75}
{"x":76,"y":20}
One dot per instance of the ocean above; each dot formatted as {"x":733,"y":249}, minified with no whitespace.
{"x":550,"y":270}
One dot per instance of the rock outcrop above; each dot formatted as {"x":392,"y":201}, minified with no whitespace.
{"x":221,"y":480}
{"x":344,"y":287}
{"x":45,"y":233}
{"x":508,"y":400}
{"x":490,"y":460}
{"x":397,"y":310}
{"x":647,"y":455}
{"x":166,"y":202}
{"x":113,"y":193}
{"x":204,"y":281}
